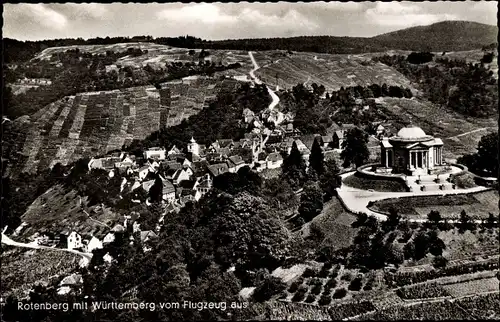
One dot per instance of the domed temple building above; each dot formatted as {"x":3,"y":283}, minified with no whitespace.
{"x":411,"y":152}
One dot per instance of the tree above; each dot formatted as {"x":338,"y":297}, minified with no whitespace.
{"x":294,"y":168}
{"x":490,"y":222}
{"x":317,"y":158}
{"x":354,"y":148}
{"x":279,"y":194}
{"x":330,"y":179}
{"x":393,"y":219}
{"x":311,"y":202}
{"x":487,"y":58}
{"x":434,"y":217}
{"x":464,"y":220}
{"x":487,"y":153}
{"x":156,"y":190}
{"x":439,"y":262}
{"x":267,"y":288}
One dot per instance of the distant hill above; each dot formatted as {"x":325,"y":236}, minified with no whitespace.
{"x":441,"y":36}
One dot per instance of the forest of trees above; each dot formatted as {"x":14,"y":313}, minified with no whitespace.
{"x":315,"y":115}
{"x":467,"y":88}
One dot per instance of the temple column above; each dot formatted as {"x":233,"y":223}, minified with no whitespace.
{"x":386,"y":158}
{"x":412,"y":159}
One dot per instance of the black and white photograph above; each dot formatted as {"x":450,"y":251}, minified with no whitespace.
{"x":245,"y":161}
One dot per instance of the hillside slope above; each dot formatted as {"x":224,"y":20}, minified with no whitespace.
{"x":441,"y":36}
{"x":91,"y":124}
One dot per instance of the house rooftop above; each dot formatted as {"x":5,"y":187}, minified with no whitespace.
{"x":218,"y":169}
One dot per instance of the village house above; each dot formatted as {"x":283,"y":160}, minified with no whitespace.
{"x":70,"y":283}
{"x":217,"y":169}
{"x":74,"y":241}
{"x":155,"y":153}
{"x":274,"y":160}
{"x":174,"y":150}
{"x":338,"y":139}
{"x":143,"y":171}
{"x":235,"y":163}
{"x":202,"y":185}
{"x":168,"y":191}
{"x":182,"y":174}
{"x":327,"y":142}
{"x":148,"y":235}
{"x":146,"y":185}
{"x":90,"y":245}
{"x":193,"y":147}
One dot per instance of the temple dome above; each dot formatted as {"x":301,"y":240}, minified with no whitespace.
{"x":411,"y":132}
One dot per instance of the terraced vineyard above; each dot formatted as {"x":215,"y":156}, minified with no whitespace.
{"x":90,"y":124}
{"x":157,"y":55}
{"x":331,"y":71}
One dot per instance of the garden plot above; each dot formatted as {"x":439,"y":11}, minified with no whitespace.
{"x":473,"y":287}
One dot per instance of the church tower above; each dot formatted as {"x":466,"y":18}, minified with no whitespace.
{"x":193,"y":147}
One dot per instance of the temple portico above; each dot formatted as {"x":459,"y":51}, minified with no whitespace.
{"x":411,"y":152}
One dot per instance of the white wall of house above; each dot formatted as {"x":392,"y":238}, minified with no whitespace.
{"x":169,"y":197}
{"x":274,"y":164}
{"x":94,"y":243}
{"x":74,"y":240}
{"x":143,"y":174}
{"x":109,"y":238}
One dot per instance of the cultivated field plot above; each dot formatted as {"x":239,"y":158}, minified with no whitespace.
{"x":459,"y":133}
{"x":59,"y":208}
{"x":95,"y":123}
{"x":331,"y":71}
{"x":421,"y":291}
{"x":477,"y":205}
{"x":158,"y":55}
{"x":473,"y":287}
{"x":443,"y":310}
{"x":37,"y":267}
{"x":482,"y":306}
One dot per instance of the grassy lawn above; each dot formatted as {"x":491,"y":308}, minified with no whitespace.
{"x":477,"y":205}
{"x":383,"y":185}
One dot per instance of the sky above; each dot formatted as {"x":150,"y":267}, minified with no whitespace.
{"x":215,"y":21}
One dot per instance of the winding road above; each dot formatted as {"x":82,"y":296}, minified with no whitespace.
{"x":257,"y":81}
{"x":7,"y":241}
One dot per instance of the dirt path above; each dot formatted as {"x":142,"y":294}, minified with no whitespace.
{"x":467,"y":133}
